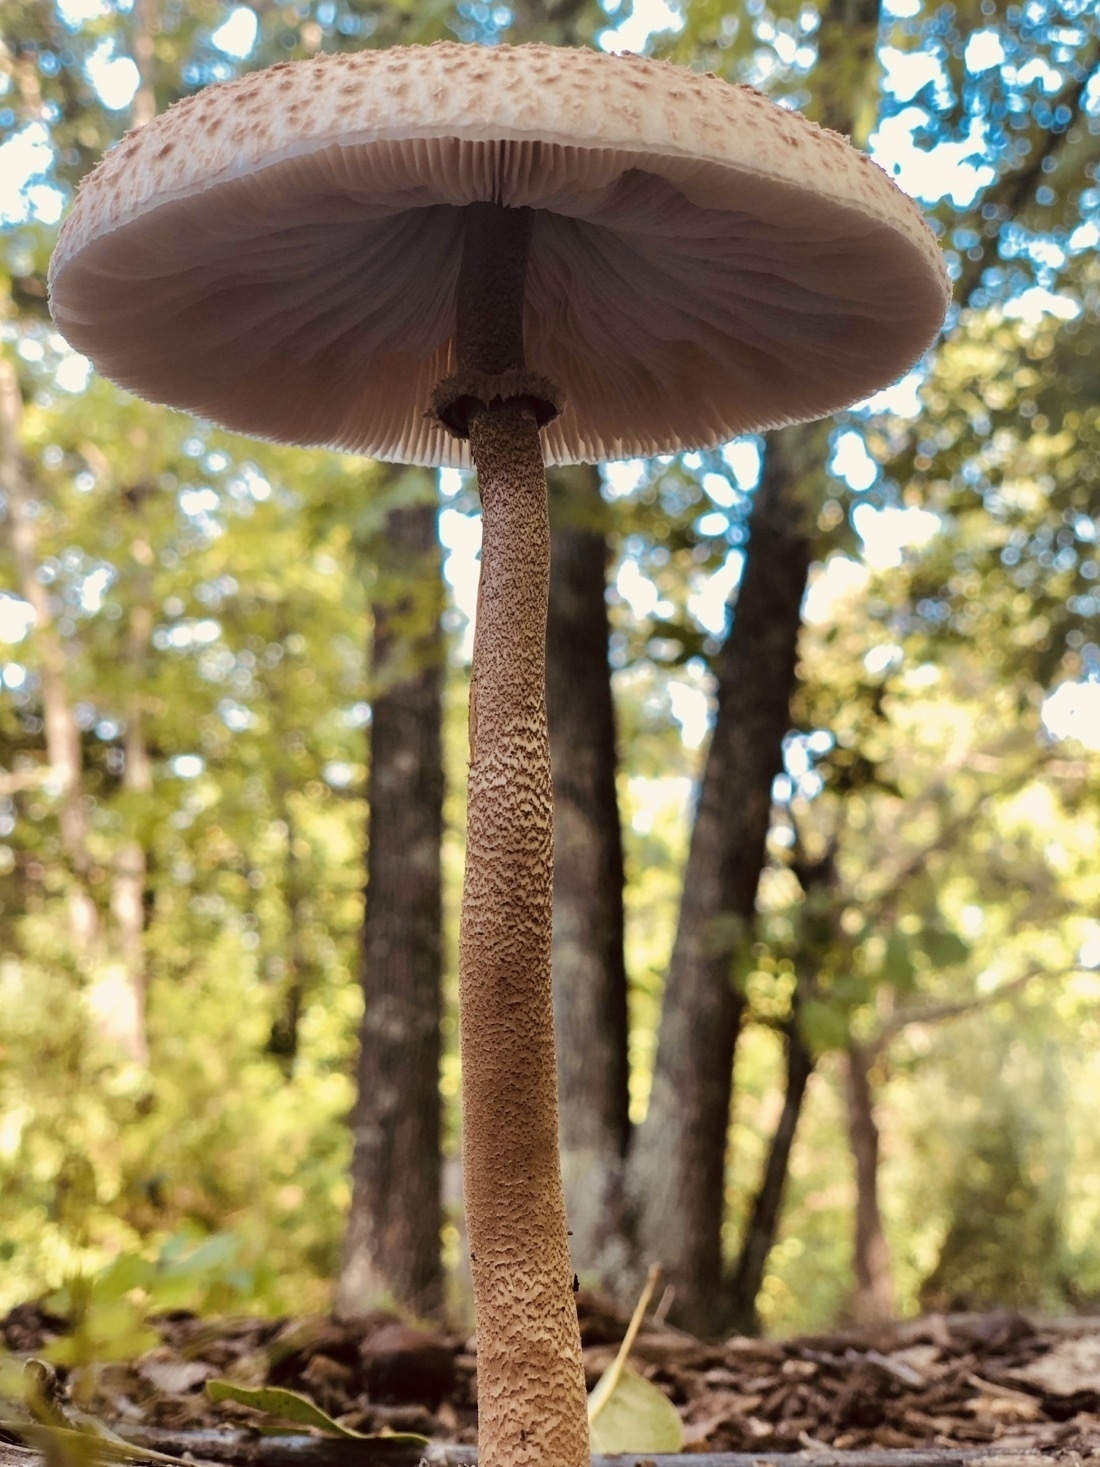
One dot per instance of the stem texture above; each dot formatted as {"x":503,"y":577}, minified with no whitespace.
{"x":531,"y":1396}
{"x":532,"y":1407}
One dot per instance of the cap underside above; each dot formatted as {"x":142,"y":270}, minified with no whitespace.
{"x":677,"y":301}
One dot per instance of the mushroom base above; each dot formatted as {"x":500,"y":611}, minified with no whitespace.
{"x":532,"y":1406}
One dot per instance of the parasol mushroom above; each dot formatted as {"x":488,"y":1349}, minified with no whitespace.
{"x":511,"y":257}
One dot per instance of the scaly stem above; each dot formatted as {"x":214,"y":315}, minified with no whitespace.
{"x":531,"y":1396}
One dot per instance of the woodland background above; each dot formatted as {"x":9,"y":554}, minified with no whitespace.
{"x":829,"y":699}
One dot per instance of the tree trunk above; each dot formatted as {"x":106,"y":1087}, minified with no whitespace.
{"x":767,"y":1208}
{"x":817,"y":934}
{"x":144,"y":22}
{"x":873,"y":1302}
{"x":295,"y":970}
{"x":590,"y":988}
{"x":391,"y":1248}
{"x":128,"y":889}
{"x":64,"y":753}
{"x":283,"y":1038}
{"x":677,"y":1168}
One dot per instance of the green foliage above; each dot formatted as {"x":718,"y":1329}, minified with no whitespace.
{"x":213,"y":595}
{"x":1006,"y":1171}
{"x":100,"y":1163}
{"x":1003,"y":1244}
{"x":108,"y":1310}
{"x":1012,"y":470}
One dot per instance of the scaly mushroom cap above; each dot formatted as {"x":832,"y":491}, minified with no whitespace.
{"x":279,"y":253}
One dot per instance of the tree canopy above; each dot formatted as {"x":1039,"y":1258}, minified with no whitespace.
{"x":184,"y":617}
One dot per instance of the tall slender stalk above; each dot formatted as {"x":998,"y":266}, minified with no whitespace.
{"x":531,"y":1396}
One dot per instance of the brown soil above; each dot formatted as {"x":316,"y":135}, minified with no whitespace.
{"x":968,"y":1381}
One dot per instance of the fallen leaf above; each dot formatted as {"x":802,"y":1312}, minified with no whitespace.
{"x":291,"y":1406}
{"x":634,"y":1416}
{"x":1073,"y":1365}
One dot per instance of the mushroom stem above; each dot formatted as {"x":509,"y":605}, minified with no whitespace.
{"x":492,"y":278}
{"x":531,"y":1396}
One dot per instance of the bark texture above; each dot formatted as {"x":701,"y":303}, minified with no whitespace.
{"x":531,"y":1395}
{"x":590,"y":986}
{"x":677,"y":1167}
{"x":391,"y":1247}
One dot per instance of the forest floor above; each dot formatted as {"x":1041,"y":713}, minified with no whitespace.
{"x":988,"y":1383}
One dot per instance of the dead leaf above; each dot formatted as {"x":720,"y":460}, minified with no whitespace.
{"x":1072,"y":1366}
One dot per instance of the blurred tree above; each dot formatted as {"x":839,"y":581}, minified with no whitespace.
{"x":818,"y":879}
{"x":61,"y":731}
{"x":392,"y":1243}
{"x":590,"y":987}
{"x":678,"y":1165}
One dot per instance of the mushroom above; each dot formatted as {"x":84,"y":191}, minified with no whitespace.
{"x":511,"y":257}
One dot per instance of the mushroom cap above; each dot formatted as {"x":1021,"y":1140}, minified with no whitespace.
{"x":280,"y":253}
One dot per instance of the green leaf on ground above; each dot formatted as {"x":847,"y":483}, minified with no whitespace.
{"x":291,"y":1406}
{"x":625,"y":1412}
